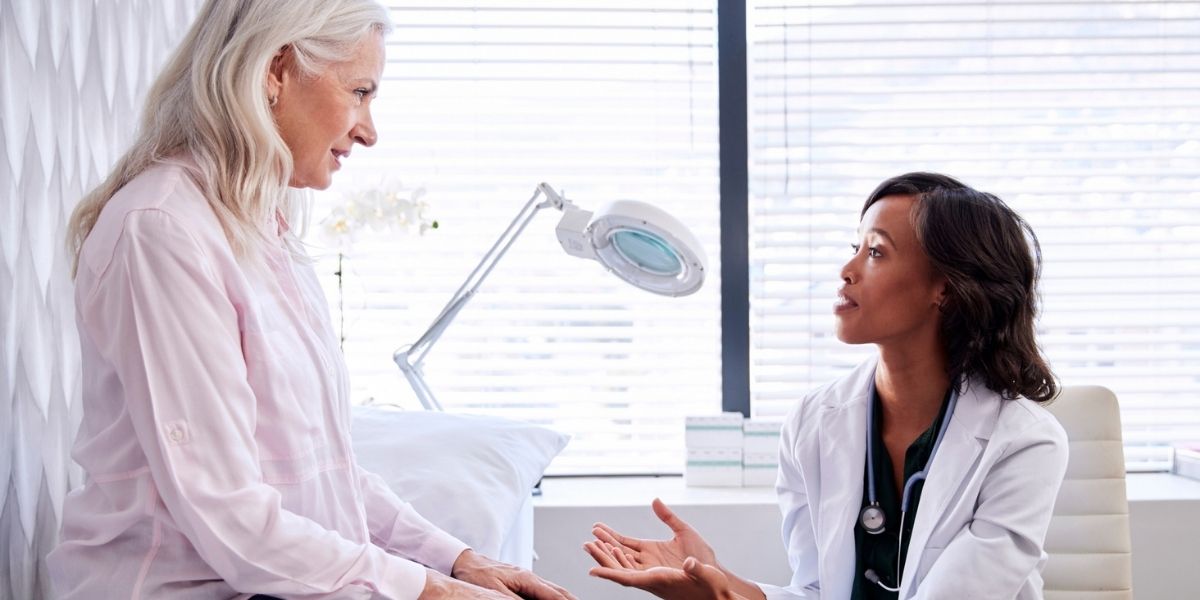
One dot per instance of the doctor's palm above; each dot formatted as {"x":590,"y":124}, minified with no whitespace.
{"x":647,"y":554}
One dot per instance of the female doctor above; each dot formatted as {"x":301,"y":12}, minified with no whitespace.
{"x":929,"y":471}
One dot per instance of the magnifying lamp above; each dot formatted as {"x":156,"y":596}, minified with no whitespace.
{"x":635,"y":241}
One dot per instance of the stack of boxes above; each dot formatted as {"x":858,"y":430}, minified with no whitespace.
{"x":714,"y":450}
{"x":730,"y":450}
{"x":760,"y":451}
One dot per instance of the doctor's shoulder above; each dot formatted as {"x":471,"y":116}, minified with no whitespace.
{"x":1022,"y":424}
{"x":804,"y":417}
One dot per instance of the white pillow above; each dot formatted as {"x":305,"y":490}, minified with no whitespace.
{"x":467,"y":474}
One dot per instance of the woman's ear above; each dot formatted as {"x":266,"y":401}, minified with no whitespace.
{"x":277,"y":73}
{"x":941,"y":292}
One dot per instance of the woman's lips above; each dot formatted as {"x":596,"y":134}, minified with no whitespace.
{"x":844,"y":304}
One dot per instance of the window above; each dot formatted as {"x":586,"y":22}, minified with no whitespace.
{"x":480,"y":102}
{"x":1083,"y":116}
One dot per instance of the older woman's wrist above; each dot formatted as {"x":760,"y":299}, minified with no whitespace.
{"x":462,"y":562}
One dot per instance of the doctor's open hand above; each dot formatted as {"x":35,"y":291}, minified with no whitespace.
{"x":645,"y":554}
{"x":694,"y":581}
{"x":684,"y":566}
{"x":506,"y":580}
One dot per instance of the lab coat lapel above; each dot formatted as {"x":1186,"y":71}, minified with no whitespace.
{"x":951,"y":466}
{"x":843,"y":455}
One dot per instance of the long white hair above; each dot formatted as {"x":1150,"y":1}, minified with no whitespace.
{"x":211,"y":101}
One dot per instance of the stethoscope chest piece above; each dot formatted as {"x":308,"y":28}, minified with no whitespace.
{"x":871,"y":519}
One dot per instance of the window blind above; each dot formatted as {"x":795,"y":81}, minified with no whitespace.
{"x":1083,"y":116}
{"x":480,"y":102}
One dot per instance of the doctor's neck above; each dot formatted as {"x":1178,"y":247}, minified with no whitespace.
{"x":912,"y":382}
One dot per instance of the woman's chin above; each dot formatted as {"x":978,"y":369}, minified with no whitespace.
{"x":846,"y":335}
{"x":317,"y":181}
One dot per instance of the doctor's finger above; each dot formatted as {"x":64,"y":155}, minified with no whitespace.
{"x":607,"y":538}
{"x":600,"y":555}
{"x":617,"y":553}
{"x":666,"y":515}
{"x":621,"y":576}
{"x":707,"y":575}
{"x":624,"y":559}
{"x":604,"y":535}
{"x":616,"y":538}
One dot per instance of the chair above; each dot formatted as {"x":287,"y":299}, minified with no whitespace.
{"x":1088,"y":541}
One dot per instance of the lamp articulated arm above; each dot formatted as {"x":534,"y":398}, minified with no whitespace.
{"x":635,"y":241}
{"x":410,"y":358}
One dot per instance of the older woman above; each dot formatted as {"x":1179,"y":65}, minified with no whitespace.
{"x":929,"y":471}
{"x":216,"y":419}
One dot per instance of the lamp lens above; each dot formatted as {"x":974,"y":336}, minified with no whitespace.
{"x":647,"y":252}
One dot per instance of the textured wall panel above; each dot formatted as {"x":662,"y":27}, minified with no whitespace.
{"x":72,"y":78}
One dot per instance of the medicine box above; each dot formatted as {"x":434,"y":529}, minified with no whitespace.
{"x":714,"y":431}
{"x":713,"y":467}
{"x":761,"y":436}
{"x":760,"y":469}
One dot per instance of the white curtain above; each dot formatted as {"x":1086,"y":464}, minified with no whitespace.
{"x":72,"y":78}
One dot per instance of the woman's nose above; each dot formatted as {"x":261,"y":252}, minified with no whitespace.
{"x":847,"y":273}
{"x":365,"y":133}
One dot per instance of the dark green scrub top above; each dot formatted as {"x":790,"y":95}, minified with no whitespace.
{"x":878,"y":552}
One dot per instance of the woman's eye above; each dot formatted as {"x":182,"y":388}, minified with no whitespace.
{"x":361,"y":93}
{"x":872,"y":251}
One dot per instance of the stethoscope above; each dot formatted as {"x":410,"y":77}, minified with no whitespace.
{"x":872,"y":518}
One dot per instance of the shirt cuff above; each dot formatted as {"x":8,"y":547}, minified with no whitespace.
{"x":774,"y":592}
{"x":440,"y":550}
{"x":402,"y":579}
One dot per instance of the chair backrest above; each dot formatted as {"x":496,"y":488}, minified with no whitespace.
{"x":1088,"y":540}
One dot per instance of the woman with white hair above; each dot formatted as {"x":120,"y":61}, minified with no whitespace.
{"x":215,"y":433}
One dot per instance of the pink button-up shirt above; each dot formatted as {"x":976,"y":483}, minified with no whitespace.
{"x":216,"y":424}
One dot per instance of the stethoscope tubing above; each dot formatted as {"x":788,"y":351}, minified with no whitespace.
{"x":915,"y":477}
{"x":908,"y":484}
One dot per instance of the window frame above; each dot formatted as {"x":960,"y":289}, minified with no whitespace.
{"x":734,"y":158}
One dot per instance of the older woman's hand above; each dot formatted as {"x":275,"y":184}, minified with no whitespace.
{"x":510,"y":581}
{"x":441,"y":587}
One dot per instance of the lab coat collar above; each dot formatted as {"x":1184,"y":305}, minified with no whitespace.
{"x":970,"y":427}
{"x":843,"y":454}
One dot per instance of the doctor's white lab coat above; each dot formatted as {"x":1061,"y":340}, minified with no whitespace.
{"x":984,"y":509}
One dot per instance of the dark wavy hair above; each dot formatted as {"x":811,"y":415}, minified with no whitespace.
{"x":991,"y":260}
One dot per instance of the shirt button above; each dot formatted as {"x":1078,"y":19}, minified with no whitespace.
{"x":176,"y":435}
